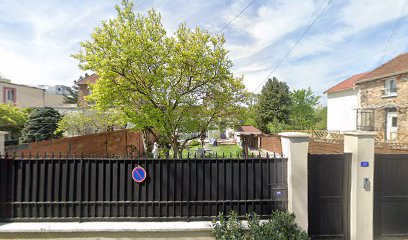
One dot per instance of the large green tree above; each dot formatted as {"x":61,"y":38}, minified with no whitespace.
{"x":174,"y":84}
{"x":302,"y":111}
{"x":41,"y":125}
{"x":273,"y":104}
{"x":12,"y":119}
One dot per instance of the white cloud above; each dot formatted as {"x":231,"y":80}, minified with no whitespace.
{"x":43,"y":57}
{"x":333,"y":30}
{"x":270,"y":23}
{"x":39,"y":37}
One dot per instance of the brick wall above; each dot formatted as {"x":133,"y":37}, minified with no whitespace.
{"x":109,"y":143}
{"x":271,"y":143}
{"x":325,"y":148}
{"x":83,"y":91}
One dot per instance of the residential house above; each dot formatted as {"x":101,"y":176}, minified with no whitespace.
{"x":382,"y":101}
{"x":84,"y":88}
{"x":32,"y":97}
{"x":342,"y":105}
{"x":27,"y":96}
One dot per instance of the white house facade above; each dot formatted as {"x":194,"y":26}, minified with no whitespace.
{"x":342,"y":110}
{"x":343,"y":100}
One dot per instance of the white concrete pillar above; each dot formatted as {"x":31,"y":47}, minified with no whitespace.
{"x":2,"y":142}
{"x":295,"y":147}
{"x":361,"y":145}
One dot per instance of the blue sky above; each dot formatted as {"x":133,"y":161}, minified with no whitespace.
{"x":38,"y":37}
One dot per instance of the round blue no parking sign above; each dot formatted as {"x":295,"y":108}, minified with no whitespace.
{"x":139,"y":174}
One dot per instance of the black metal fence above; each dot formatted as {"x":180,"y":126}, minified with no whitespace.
{"x":94,"y":189}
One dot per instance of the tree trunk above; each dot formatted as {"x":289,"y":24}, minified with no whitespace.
{"x":147,"y":145}
{"x":174,"y":145}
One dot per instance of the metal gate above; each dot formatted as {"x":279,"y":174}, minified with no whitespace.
{"x":329,"y":195}
{"x":391,"y":196}
{"x":96,"y":189}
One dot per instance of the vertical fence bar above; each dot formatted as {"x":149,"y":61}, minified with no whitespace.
{"x":217,"y":197}
{"x":203,"y":186}
{"x":174,"y":186}
{"x":146,"y":192}
{"x":182,"y":188}
{"x":225,"y":186}
{"x":13,"y":187}
{"x":239,"y":186}
{"x":189,"y":188}
{"x":81,"y":189}
{"x":160,"y":186}
{"x":196,"y":188}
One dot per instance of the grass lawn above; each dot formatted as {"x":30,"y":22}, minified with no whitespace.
{"x":219,"y":150}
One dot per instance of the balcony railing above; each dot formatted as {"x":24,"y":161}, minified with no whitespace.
{"x":365,"y":120}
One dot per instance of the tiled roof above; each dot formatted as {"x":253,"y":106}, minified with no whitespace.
{"x":396,"y":65}
{"x":90,"y":79}
{"x":346,"y":84}
{"x":249,"y":129}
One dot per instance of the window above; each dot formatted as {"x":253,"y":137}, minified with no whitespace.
{"x":9,"y":95}
{"x":394,"y":121}
{"x":390,"y":87}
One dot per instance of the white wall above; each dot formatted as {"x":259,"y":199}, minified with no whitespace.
{"x":341,"y":110}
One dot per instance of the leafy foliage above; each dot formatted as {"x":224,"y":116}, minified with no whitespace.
{"x":321,"y":118}
{"x":41,"y":125}
{"x":302,"y":110}
{"x":280,"y":226}
{"x":72,"y":96}
{"x":278,"y":109}
{"x":90,"y":122}
{"x":251,"y":110}
{"x":175,"y":84}
{"x":229,"y":229}
{"x":273,"y":103}
{"x":12,"y":119}
{"x":194,"y":142}
{"x":276,"y":126}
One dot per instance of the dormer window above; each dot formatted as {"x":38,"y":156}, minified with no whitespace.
{"x":390,"y":88}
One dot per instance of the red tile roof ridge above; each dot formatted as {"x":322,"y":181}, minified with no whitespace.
{"x":346,"y":84}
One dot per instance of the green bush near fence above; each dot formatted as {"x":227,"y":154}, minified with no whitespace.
{"x":280,"y":226}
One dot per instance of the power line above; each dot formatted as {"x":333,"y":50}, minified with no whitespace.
{"x":296,"y":43}
{"x":243,"y":10}
{"x":397,"y":27}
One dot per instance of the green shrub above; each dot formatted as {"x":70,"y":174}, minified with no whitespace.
{"x":228,"y":229}
{"x":194,"y":142}
{"x":281,"y":226}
